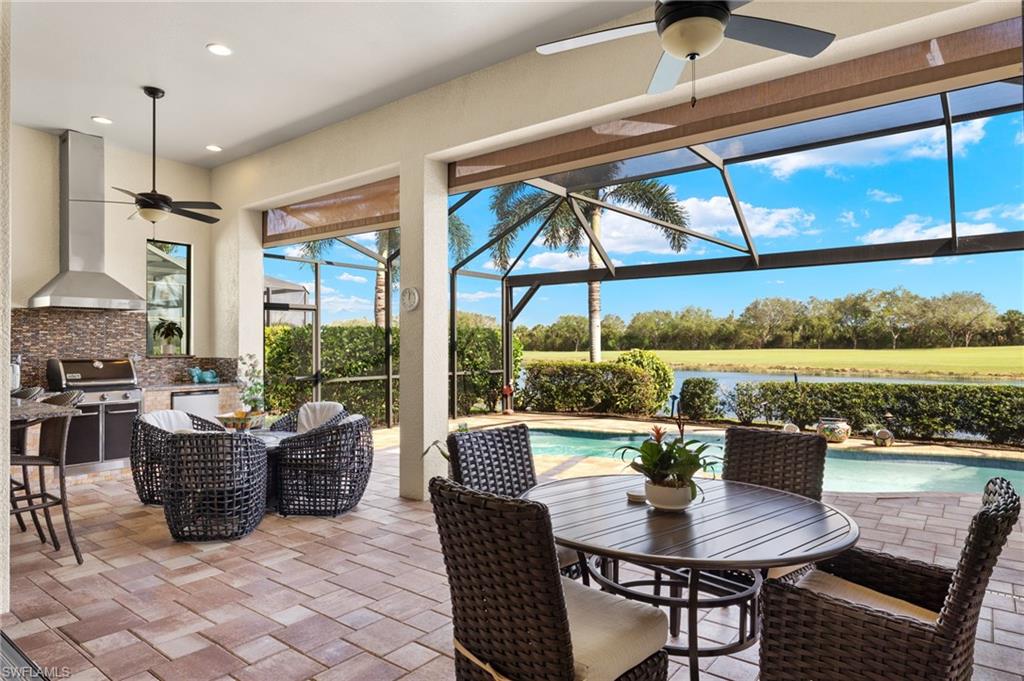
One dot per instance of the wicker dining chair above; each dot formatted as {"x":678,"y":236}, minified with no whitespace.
{"x":500,"y":461}
{"x":530,"y":624}
{"x":52,"y":456}
{"x":874,"y":617}
{"x":149,"y":446}
{"x":791,"y":462}
{"x":18,"y":447}
{"x":325,"y":471}
{"x":214,"y":485}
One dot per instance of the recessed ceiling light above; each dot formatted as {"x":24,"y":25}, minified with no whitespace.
{"x":218,"y":49}
{"x":102,"y":120}
{"x":213,"y":147}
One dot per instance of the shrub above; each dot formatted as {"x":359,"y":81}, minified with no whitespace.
{"x":649,"y":362}
{"x":744,"y":401}
{"x":699,"y":400}
{"x":607,"y":387}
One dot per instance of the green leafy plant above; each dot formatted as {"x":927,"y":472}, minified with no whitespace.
{"x":698,"y":399}
{"x":250,"y":375}
{"x":669,"y":463}
{"x":647,"y":361}
{"x":168,"y":330}
{"x":596,"y":387}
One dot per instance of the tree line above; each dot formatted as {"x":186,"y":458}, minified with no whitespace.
{"x":895,"y":318}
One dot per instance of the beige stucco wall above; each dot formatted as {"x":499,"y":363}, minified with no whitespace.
{"x":5,"y":292}
{"x":34,"y":204}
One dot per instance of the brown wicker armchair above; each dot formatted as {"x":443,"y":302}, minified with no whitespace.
{"x":529,"y":624}
{"x":875,"y":617}
{"x":149,"y":445}
{"x":500,"y":461}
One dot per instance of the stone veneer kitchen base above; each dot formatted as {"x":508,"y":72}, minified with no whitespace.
{"x":39,"y":334}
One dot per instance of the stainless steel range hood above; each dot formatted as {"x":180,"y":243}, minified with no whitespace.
{"x":83,"y":281}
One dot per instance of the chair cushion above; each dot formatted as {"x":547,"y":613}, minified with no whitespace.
{"x":315,"y":414}
{"x":785,"y":570}
{"x":837,"y":587}
{"x":610,"y":635}
{"x":566,"y":556}
{"x":171,"y":420}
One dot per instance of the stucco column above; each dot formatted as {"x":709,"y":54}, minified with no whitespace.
{"x":423,"y":364}
{"x":5,"y":289}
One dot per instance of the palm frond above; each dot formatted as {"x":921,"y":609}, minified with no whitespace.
{"x":460,"y":237}
{"x":656,"y":199}
{"x":509,"y":207}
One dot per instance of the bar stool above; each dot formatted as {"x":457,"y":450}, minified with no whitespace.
{"x":18,"y":447}
{"x":53,"y":443}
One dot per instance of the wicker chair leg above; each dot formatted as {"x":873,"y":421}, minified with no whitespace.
{"x":64,"y":505}
{"x":15,"y":486}
{"x":44,"y":497}
{"x":28,"y":493}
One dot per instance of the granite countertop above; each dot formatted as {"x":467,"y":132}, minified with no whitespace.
{"x":28,"y":410}
{"x":192,"y":386}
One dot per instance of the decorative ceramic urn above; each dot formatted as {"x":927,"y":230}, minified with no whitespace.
{"x":884,"y":438}
{"x":833,"y":429}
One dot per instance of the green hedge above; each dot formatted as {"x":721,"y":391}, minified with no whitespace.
{"x":358,"y":350}
{"x":607,"y":387}
{"x":995,"y":412}
{"x":650,"y":363}
{"x":698,"y":399}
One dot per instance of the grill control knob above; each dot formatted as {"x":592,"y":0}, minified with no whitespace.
{"x":103,"y":397}
{"x":126,"y":396}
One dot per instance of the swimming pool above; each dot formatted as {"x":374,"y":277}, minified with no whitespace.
{"x":845,"y":471}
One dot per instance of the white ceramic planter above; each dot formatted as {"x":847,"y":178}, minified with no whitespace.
{"x":667,"y":498}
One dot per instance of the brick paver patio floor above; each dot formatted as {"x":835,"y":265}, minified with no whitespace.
{"x":361,"y":597}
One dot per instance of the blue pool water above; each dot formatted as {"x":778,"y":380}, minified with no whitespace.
{"x":844,"y":471}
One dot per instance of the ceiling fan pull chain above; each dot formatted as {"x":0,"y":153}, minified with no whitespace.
{"x":693,"y":82}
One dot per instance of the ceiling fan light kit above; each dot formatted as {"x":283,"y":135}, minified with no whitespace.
{"x":691,"y":30}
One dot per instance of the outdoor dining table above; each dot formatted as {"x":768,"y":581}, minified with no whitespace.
{"x":717,"y":549}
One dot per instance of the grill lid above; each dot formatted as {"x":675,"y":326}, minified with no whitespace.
{"x":63,"y":374}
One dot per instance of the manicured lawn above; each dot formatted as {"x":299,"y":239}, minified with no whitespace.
{"x":1001,"y":361}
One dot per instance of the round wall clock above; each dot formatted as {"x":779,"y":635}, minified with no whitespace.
{"x":410,"y":299}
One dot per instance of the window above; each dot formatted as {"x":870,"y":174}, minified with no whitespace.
{"x":168,"y":297}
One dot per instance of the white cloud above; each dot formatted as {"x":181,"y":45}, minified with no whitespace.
{"x":354,"y":278}
{"x":1019,"y":137}
{"x":562,"y":262}
{"x":914,"y":227}
{"x":929,"y":143}
{"x":477,"y":296}
{"x":366,"y":238}
{"x":1011,"y":211}
{"x":848,"y":218}
{"x":883,"y":196}
{"x":335,"y":303}
{"x":715,"y":216}
{"x":489,"y":265}
{"x":921,"y":261}
{"x":293,"y":251}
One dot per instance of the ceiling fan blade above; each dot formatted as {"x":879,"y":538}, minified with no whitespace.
{"x":666,"y":75}
{"x":208,"y":205}
{"x":778,"y":35}
{"x":127,"y":203}
{"x":133,"y":216}
{"x":596,"y":37}
{"x":125,"y":191}
{"x":194,"y":216}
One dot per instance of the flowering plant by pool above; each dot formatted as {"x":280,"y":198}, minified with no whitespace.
{"x":669,"y":463}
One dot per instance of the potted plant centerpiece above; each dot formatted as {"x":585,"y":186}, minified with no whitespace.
{"x":250,"y":380}
{"x":669,"y":466}
{"x":170,"y":332}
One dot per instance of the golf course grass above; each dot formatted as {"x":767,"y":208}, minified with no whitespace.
{"x":1003,"y":362}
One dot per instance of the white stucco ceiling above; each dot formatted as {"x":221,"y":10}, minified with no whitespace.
{"x":296,"y":66}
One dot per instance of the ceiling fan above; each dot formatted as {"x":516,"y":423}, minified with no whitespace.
{"x":691,"y":29}
{"x":154,"y":206}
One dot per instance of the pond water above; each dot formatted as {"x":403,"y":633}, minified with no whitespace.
{"x":844,"y":471}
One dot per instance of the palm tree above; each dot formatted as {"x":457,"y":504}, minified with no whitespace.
{"x":387,"y":240}
{"x":512,"y":201}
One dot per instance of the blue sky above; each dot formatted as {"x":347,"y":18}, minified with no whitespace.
{"x":874,"y":191}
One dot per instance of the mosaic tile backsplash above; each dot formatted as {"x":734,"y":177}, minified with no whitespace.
{"x":39,"y":334}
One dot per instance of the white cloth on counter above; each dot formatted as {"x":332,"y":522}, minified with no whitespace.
{"x":315,"y":414}
{"x":171,"y":420}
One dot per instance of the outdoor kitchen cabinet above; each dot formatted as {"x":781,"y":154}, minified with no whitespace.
{"x":84,"y":435}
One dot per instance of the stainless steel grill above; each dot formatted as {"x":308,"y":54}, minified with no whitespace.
{"x":102,"y":433}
